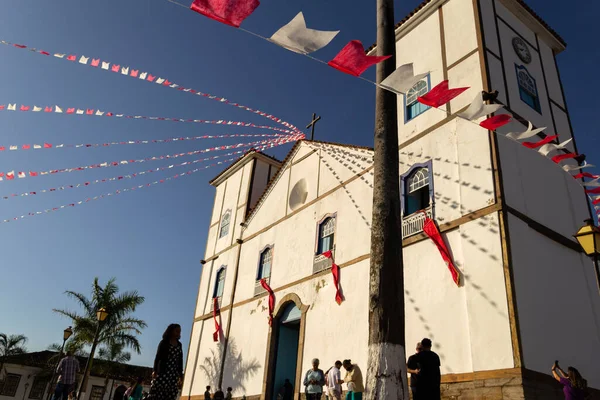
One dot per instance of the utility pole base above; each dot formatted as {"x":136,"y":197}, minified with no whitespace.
{"x":386,"y":372}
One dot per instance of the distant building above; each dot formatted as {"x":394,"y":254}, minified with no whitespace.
{"x":527,"y":294}
{"x":27,"y":377}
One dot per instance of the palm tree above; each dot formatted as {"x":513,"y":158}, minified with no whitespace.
{"x":112,"y":353}
{"x":118,"y":327}
{"x":10,"y":345}
{"x":77,"y":349}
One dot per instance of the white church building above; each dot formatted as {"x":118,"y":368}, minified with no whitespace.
{"x":527,"y":294}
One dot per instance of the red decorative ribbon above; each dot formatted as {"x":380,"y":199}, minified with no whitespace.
{"x":540,"y":143}
{"x":266,"y":286}
{"x":335,"y":271}
{"x":440,"y":95}
{"x":431,"y":230}
{"x":215,"y":313}
{"x":495,"y":122}
{"x":585,"y":175}
{"x":562,"y":157}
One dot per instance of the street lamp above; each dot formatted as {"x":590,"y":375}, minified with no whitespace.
{"x":66,"y":335}
{"x":588,"y":237}
{"x":101,"y":315}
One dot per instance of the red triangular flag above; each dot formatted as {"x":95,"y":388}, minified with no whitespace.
{"x":535,"y":145}
{"x":134,"y":73}
{"x":585,"y":175}
{"x":2,"y":148}
{"x":89,"y":111}
{"x":431,"y":230}
{"x":26,"y":146}
{"x":95,"y":62}
{"x":33,"y":173}
{"x":47,"y":145}
{"x":596,"y":201}
{"x":266,"y":286}
{"x":24,"y":108}
{"x":71,"y":58}
{"x":150,"y":78}
{"x":352,"y":59}
{"x":440,"y":95}
{"x":48,"y":109}
{"x":20,"y":46}
{"x":70,"y":110}
{"x":115,"y":68}
{"x":495,"y":122}
{"x":44,"y":53}
{"x":10,"y":175}
{"x":229,"y":12}
{"x":589,"y":191}
{"x":562,"y":157}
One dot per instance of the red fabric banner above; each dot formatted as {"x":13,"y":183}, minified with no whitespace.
{"x":215,"y":313}
{"x":229,"y":12}
{"x":335,"y":271}
{"x":535,"y":145}
{"x":589,"y":191}
{"x":266,"y":286}
{"x":431,"y":230}
{"x":562,"y":157}
{"x":495,"y":122}
{"x":352,"y":59}
{"x":585,"y":175}
{"x":440,"y":95}
{"x":596,"y":201}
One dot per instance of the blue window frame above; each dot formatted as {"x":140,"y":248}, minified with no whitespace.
{"x":527,"y":88}
{"x":264,"y":264}
{"x":326,"y":235}
{"x":219,"y":282}
{"x":412,"y":108}
{"x":417,"y":189}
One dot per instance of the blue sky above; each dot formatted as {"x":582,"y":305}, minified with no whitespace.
{"x":152,"y":240}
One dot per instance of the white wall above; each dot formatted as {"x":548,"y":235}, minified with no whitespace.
{"x":557,"y":302}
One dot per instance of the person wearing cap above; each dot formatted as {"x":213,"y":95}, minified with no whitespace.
{"x":314,"y":381}
{"x":413,"y":368}
{"x":429,"y":377}
{"x":354,"y":381}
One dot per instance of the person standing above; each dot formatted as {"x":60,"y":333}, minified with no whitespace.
{"x":413,"y":368}
{"x":67,"y":368}
{"x":334,"y":381}
{"x":354,"y":380}
{"x":137,"y":390}
{"x":429,"y":377}
{"x":574,"y":386}
{"x":207,"y":393}
{"x":219,"y":395}
{"x":168,"y":365}
{"x":229,"y":396}
{"x":314,"y":381}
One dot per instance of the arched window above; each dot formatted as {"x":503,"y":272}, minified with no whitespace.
{"x":326,"y":232}
{"x":219,"y":282}
{"x":413,"y":107}
{"x":264,"y":264}
{"x":225,"y":219}
{"x":416,"y":192}
{"x":527,"y":88}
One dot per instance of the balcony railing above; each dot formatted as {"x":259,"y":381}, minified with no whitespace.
{"x":258,"y":289}
{"x":413,"y":223}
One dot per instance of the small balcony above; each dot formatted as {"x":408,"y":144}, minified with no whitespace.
{"x":413,"y":223}
{"x":258,"y":289}
{"x":321,"y":262}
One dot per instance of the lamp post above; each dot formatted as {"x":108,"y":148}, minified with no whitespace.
{"x":66,"y":335}
{"x":588,"y":237}
{"x":101,"y":315}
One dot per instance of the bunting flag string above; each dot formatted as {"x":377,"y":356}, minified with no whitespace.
{"x":266,"y":286}
{"x":335,"y":272}
{"x":98,"y":113}
{"x":136,"y":174}
{"x":11,"y":175}
{"x":146,"y":76}
{"x":47,"y":145}
{"x":216,"y":311}
{"x":102,"y":196}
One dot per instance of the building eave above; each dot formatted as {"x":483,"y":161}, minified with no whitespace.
{"x":233,"y":168}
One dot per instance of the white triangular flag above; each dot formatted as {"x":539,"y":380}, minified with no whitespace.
{"x":57,"y":109}
{"x":527,"y":134}
{"x":37,"y":109}
{"x":569,"y":167}
{"x":58,"y":55}
{"x":83,"y":60}
{"x":402,"y":79}
{"x":14,"y":147}
{"x":296,"y":37}
{"x":37,"y":146}
{"x":12,"y":107}
{"x":477,"y":109}
{"x":119,"y":115}
{"x":143,"y":75}
{"x":99,"y":113}
{"x":59,"y":146}
{"x":547,"y":148}
{"x":125,"y":70}
{"x":80,"y":112}
{"x":160,"y":80}
{"x":594,"y":183}
{"x":21,"y":175}
{"x":104,"y":164}
{"x":105,"y":65}
{"x":173,"y":85}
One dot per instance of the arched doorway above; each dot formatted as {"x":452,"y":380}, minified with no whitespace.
{"x":119,"y":393}
{"x":286,"y":338}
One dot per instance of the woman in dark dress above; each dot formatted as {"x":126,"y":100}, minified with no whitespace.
{"x":168,"y":366}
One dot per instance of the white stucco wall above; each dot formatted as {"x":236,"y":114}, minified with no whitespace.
{"x":562,"y":320}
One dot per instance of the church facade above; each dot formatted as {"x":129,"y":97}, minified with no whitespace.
{"x":527,"y":294}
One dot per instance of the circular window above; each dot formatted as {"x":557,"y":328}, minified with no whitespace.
{"x":298,"y":194}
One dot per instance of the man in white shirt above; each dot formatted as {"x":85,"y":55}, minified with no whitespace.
{"x":334,"y":381}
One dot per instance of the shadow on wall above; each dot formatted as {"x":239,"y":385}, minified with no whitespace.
{"x":237,"y":371}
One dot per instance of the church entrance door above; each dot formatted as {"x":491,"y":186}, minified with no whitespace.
{"x":286,"y":356}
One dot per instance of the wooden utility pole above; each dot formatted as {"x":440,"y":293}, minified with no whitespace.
{"x":386,"y":371}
